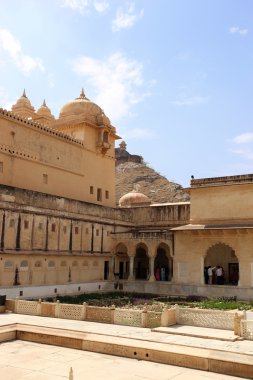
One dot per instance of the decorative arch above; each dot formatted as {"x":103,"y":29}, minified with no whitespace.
{"x":63,"y":263}
{"x":141,"y":262}
{"x":75,"y":264}
{"x":8,"y":264}
{"x":24,"y":264}
{"x":221,"y":254}
{"x":121,"y":261}
{"x":163,"y":265}
{"x":51,"y":264}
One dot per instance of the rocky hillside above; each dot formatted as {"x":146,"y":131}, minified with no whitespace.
{"x":152,"y":184}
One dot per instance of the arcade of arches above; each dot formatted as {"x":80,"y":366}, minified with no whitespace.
{"x":143,"y":266}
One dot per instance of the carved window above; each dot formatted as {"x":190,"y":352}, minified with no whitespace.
{"x":24,"y":264}
{"x":40,"y":226}
{"x":106,"y":194}
{"x":53,"y":227}
{"x":99,"y":195}
{"x":8,"y":264}
{"x":91,"y":190}
{"x":97,"y":232}
{"x":51,"y":264}
{"x":26,"y":224}
{"x":45,"y":178}
{"x":38,"y":264}
{"x":105,"y":137}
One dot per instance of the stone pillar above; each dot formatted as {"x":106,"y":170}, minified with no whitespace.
{"x":151,"y":266}
{"x":131,"y":269}
{"x":111,"y":269}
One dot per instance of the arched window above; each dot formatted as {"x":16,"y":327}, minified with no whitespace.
{"x":105,"y":137}
{"x":8,"y":264}
{"x":75,"y":264}
{"x":24,"y":264}
{"x":63,"y":264}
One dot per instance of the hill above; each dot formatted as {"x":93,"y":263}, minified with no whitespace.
{"x":130,"y":172}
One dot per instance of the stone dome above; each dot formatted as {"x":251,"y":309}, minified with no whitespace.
{"x":23,"y":106}
{"x":134,"y":199}
{"x":81,"y":106}
{"x":44,"y":110}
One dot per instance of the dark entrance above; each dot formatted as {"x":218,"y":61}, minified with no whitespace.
{"x":162,"y":267}
{"x":141,"y":264}
{"x":106,"y":270}
{"x":121,"y":270}
{"x":233,"y":273}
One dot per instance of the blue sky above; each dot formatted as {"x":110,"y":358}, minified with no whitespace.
{"x":174,"y":76}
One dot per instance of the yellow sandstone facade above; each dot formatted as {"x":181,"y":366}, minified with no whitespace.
{"x":60,"y":225}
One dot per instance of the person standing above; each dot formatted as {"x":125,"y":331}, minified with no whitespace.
{"x":210,"y":274}
{"x":219,"y":275}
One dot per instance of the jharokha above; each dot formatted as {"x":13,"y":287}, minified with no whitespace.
{"x":62,"y":231}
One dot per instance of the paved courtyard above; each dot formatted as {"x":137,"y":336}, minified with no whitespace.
{"x":20,"y":360}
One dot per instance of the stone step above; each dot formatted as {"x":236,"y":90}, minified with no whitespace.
{"x":199,"y":332}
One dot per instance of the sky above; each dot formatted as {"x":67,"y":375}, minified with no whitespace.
{"x":175,"y":77}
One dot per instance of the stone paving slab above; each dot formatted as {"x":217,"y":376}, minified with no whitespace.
{"x":199,"y":332}
{"x":55,"y":362}
{"x":228,"y":363}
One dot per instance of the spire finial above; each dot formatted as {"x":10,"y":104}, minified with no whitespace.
{"x":122,"y":145}
{"x":24,"y":94}
{"x":44,"y":103}
{"x":82,"y":94}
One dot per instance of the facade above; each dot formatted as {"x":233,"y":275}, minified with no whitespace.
{"x":59,"y":223}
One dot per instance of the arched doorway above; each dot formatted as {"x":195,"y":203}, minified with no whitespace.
{"x":141,"y":263}
{"x":163,"y":266}
{"x":222,"y":256}
{"x":121,"y":263}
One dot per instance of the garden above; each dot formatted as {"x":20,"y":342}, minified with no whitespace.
{"x":153,"y":302}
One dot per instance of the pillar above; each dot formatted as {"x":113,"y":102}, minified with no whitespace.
{"x":111,"y":269}
{"x":152,"y":264}
{"x":131,"y":269}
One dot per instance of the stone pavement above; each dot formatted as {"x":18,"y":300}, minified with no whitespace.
{"x":120,"y":368}
{"x":21,"y":360}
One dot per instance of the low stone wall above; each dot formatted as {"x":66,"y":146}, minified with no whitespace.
{"x":226,"y":320}
{"x":216,"y":319}
{"x":247,"y":329}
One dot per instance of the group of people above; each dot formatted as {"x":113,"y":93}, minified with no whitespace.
{"x":214,"y":275}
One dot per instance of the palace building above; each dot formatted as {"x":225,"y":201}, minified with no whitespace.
{"x":61,"y":230}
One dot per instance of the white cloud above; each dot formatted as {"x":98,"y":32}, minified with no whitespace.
{"x":12,"y":47}
{"x":83,"y":6}
{"x":117,"y":81}
{"x":245,"y":153}
{"x":188,"y":101}
{"x":126,"y":17}
{"x":101,"y":6}
{"x":237,"y":30}
{"x":243,"y":138}
{"x":137,"y":134}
